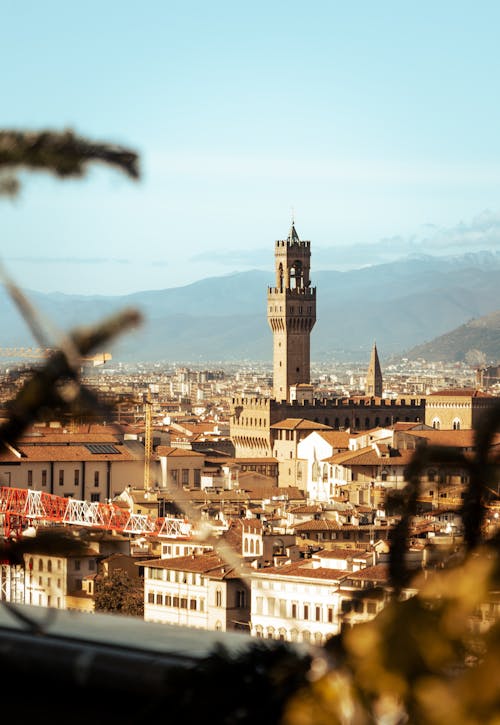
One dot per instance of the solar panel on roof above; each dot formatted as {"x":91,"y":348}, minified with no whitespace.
{"x":101,"y":448}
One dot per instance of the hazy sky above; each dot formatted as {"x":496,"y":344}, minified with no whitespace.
{"x":376,"y":124}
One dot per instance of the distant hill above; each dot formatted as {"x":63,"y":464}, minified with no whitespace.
{"x":480,"y":336}
{"x":220,"y":319}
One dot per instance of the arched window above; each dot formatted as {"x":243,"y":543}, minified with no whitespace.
{"x":49,"y":565}
{"x":456,"y":424}
{"x":40,"y":564}
{"x":278,"y":547}
{"x":296,"y":275}
{"x":436,"y":423}
{"x":218,"y":597}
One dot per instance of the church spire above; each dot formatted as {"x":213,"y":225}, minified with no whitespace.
{"x":374,"y":375}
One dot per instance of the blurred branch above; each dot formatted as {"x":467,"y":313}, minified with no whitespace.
{"x":62,"y":153}
{"x":48,"y":387}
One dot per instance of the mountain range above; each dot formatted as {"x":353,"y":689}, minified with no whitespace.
{"x":402,"y":306}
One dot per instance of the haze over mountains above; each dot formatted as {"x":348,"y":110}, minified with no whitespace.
{"x":400,"y":305}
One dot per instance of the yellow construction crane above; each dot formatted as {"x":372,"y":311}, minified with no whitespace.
{"x":148,"y":441}
{"x":36,"y":353}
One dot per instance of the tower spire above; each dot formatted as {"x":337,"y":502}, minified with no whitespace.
{"x":374,"y":376}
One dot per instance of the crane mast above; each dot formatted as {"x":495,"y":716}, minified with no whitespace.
{"x":148,"y":442}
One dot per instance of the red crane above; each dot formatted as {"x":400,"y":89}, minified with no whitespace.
{"x":20,"y":508}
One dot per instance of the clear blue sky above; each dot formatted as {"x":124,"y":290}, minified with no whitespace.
{"x":378,"y":123}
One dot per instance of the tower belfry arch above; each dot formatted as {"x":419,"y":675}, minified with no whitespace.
{"x":291,"y":313}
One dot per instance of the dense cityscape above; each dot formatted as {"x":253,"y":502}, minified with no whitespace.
{"x":294,"y":491}
{"x":291,"y":503}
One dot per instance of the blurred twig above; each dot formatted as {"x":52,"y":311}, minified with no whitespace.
{"x":63,"y":153}
{"x":48,"y":387}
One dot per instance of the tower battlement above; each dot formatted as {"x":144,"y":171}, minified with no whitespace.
{"x":309,"y":292}
{"x":289,"y":243}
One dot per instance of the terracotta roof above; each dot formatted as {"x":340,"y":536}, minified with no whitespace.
{"x":369,"y":457}
{"x":170,"y":452}
{"x":306,"y":509}
{"x":69,"y":438}
{"x":233,"y":536}
{"x":463,"y":438}
{"x":299,"y":424}
{"x":268,"y":460}
{"x":209,"y":564}
{"x":336,"y":438}
{"x":379,"y":573}
{"x":304,"y":569}
{"x":340,"y":553}
{"x":403,"y":425}
{"x":65,"y":453}
{"x":318,"y":525}
{"x":252,"y":525}
{"x":462,"y":392}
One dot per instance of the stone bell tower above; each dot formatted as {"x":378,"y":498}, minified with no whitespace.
{"x":374,"y":382}
{"x":291,"y":313}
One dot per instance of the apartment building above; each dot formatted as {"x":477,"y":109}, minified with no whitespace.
{"x":287,"y":435}
{"x":199,"y":590}
{"x":180,"y":467}
{"x":304,"y":601}
{"x":94,"y":466}
{"x":61,"y":573}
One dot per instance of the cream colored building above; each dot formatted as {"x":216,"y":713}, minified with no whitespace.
{"x":313,"y":451}
{"x":296,"y":603}
{"x":457,"y":409}
{"x":85,"y":466}
{"x":287,"y":435}
{"x":304,"y":601}
{"x":180,"y":468}
{"x":65,"y":580}
{"x":199,"y":590}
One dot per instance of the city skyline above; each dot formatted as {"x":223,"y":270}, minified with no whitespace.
{"x":374,"y":128}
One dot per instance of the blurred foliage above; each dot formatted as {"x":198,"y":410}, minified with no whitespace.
{"x":432,"y":654}
{"x":64,"y":154}
{"x":54,"y":391}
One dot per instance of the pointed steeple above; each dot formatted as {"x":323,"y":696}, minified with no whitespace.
{"x":374,"y":375}
{"x":292,"y":234}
